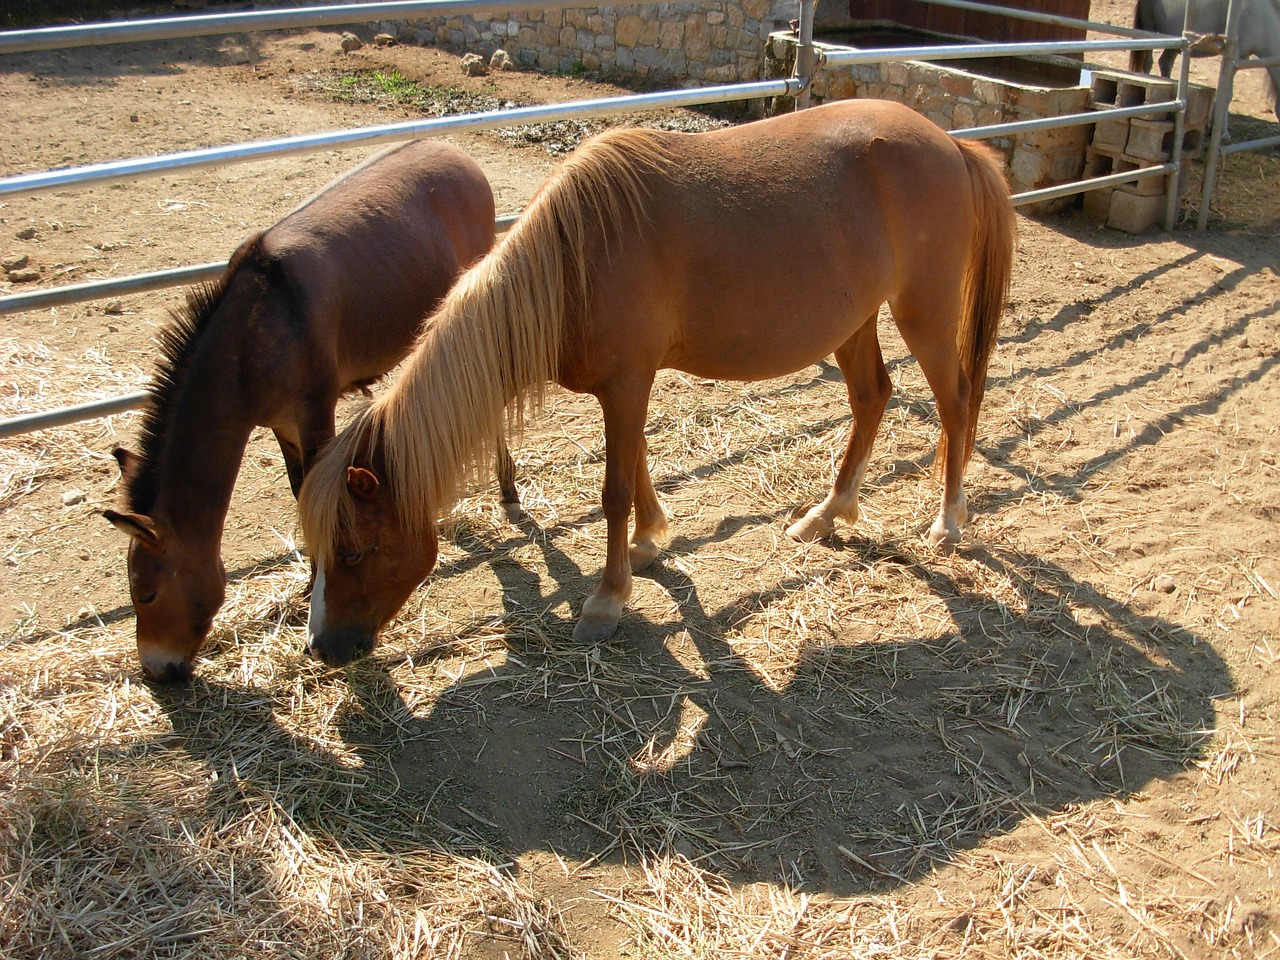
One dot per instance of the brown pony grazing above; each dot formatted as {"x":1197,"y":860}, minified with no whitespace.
{"x":649,"y":250}
{"x":323,"y":302}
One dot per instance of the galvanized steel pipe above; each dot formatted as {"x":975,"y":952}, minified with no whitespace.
{"x":410,"y":130}
{"x":175,"y":28}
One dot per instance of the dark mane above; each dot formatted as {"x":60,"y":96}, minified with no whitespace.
{"x":178,"y":341}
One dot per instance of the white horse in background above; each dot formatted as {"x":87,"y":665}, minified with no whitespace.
{"x":1258,"y":34}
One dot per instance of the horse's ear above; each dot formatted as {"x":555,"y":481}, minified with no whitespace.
{"x":128,"y":460}
{"x":134,"y":525}
{"x":362,"y":483}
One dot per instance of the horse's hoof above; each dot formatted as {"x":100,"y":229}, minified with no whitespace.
{"x":942,"y":538}
{"x":810,"y":528}
{"x":595,"y":629}
{"x":642,"y":554}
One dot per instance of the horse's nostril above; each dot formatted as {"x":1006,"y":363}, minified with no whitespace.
{"x":179,"y":672}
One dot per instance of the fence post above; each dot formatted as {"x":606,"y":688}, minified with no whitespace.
{"x":1173,"y":183}
{"x":806,"y":53}
{"x":1221,"y":107}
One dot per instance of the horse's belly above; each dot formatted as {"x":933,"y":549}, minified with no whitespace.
{"x":728,"y":348}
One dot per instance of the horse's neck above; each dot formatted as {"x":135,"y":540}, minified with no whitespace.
{"x":203,"y":446}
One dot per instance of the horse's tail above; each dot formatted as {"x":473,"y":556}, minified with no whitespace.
{"x":1140,"y":60}
{"x":986,"y":281}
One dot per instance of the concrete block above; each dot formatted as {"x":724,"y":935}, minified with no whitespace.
{"x":1104,"y":89}
{"x":1103,"y":163}
{"x":1120,"y":88}
{"x":1150,"y":139}
{"x":1132,"y":213}
{"x":1147,"y":186}
{"x":1100,"y":163}
{"x":1199,"y":105}
{"x":1111,"y":134}
{"x":1193,"y":142}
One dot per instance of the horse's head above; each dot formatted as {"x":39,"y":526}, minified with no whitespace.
{"x":366,"y":564}
{"x":176,"y":589}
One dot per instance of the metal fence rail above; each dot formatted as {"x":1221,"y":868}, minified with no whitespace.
{"x":206,"y":25}
{"x":218,"y":24}
{"x":118,"y":170}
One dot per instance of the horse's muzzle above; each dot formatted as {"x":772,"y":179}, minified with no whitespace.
{"x":339,"y":646}
{"x":177,"y":672}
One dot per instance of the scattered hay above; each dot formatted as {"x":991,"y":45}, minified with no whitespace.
{"x":854,"y":749}
{"x":793,"y":750}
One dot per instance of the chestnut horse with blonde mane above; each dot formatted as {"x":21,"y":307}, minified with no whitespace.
{"x":745,"y":253}
{"x":325,"y":301}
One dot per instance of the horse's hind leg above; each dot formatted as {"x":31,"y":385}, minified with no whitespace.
{"x":867,"y":382}
{"x":315,"y":428}
{"x":505,"y":469}
{"x":934,"y":347}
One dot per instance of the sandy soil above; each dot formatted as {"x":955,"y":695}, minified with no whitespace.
{"x":821,"y":718}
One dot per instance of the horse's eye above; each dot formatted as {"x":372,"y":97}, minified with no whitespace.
{"x":145,"y":598}
{"x":349,"y":558}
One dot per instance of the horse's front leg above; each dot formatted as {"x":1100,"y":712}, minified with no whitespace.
{"x":625,"y":406}
{"x":505,"y":469}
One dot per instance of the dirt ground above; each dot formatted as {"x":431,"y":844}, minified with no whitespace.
{"x":1059,"y":741}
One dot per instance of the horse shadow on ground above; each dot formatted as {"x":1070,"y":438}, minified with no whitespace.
{"x":874,"y":760}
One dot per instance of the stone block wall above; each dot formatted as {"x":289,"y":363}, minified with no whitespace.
{"x":955,"y":100}
{"x":715,"y":42}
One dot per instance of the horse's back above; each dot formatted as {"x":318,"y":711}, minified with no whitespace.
{"x":868,"y":160}
{"x":425,"y":192}
{"x":373,"y":253}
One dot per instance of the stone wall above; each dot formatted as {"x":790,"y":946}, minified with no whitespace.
{"x":714,"y":42}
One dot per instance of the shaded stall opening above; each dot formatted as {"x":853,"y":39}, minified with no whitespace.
{"x":1053,"y":72}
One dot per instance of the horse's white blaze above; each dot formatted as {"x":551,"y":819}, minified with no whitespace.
{"x":315,"y":616}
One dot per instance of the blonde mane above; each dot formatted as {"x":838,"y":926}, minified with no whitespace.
{"x":491,"y":347}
